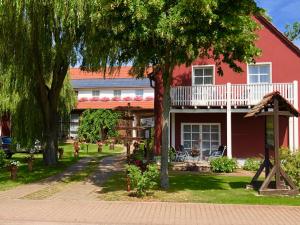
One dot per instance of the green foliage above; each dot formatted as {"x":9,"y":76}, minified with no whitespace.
{"x":172,"y":154}
{"x":291,"y":164}
{"x":143,"y":182}
{"x":223,"y":165}
{"x":98,"y":124}
{"x":2,"y":159}
{"x":293,"y":31}
{"x":251,"y":164}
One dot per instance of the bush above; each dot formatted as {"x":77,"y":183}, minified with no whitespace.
{"x":291,"y":165}
{"x":252,"y":164}
{"x":223,"y":165}
{"x":2,"y":159}
{"x":143,"y":182}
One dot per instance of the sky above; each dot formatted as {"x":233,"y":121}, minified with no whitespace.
{"x":282,"y":12}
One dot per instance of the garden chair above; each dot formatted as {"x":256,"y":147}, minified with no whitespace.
{"x":218,"y":153}
{"x":181,"y":154}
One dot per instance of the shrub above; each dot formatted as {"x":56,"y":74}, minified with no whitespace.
{"x":223,"y":165}
{"x":149,"y":98}
{"x":172,"y":154}
{"x":138,"y":98}
{"x":291,"y":165}
{"x":104,"y":99}
{"x":116,"y":99}
{"x":127,"y":99}
{"x":142,"y":182}
{"x":83,"y":99}
{"x":2,"y":158}
{"x":251,"y":164}
{"x":94,"y":99}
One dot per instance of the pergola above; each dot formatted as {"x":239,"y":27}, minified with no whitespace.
{"x":274,"y":105}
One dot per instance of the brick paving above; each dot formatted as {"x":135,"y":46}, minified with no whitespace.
{"x":52,"y":212}
{"x":77,"y":204}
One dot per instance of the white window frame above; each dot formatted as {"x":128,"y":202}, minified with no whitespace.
{"x":203,"y":66}
{"x":95,"y":95}
{"x":137,"y":90}
{"x":200,"y":124}
{"x":117,"y":95}
{"x":259,"y":63}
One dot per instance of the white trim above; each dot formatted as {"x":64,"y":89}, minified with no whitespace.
{"x":296,"y":120}
{"x":260,"y":63}
{"x":291,"y":133}
{"x":173,"y":124}
{"x":229,"y":122}
{"x":199,"y":124}
{"x":209,"y":110}
{"x":203,"y":66}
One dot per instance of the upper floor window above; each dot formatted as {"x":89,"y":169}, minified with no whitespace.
{"x":259,"y":73}
{"x":95,"y":93}
{"x":139,"y":93}
{"x":117,"y":93}
{"x":203,"y":75}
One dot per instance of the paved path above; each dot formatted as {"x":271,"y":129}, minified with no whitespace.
{"x":46,"y":212}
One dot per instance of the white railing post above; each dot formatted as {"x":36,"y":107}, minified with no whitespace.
{"x":296,"y":124}
{"x":228,"y":121}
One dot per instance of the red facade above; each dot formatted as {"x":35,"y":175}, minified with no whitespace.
{"x":247,"y":134}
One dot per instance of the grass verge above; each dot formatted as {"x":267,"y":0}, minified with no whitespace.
{"x":195,"y":187}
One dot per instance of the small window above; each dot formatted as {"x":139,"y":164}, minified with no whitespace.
{"x":95,"y":93}
{"x":259,"y":73}
{"x":117,"y":93}
{"x":139,"y":93}
{"x":203,"y":75}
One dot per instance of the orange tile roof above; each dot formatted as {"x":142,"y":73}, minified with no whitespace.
{"x":114,"y":104}
{"x":78,"y":74}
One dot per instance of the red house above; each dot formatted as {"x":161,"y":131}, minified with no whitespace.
{"x":208,"y":110}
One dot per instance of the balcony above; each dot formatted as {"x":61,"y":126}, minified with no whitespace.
{"x":236,"y":95}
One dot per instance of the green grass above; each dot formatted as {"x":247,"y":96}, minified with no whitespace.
{"x":40,"y":171}
{"x":194,"y":187}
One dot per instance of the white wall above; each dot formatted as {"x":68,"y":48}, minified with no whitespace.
{"x":109,"y":93}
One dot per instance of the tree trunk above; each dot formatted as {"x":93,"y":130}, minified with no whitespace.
{"x":51,"y":141}
{"x":164,"y":175}
{"x":158,"y":111}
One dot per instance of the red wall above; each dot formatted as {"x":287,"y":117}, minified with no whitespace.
{"x":285,"y":68}
{"x":247,"y":133}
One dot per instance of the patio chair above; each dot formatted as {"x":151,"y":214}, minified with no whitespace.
{"x":218,"y":153}
{"x":181,"y":154}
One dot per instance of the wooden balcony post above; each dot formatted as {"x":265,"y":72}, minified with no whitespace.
{"x":228,"y":121}
{"x":296,"y":123}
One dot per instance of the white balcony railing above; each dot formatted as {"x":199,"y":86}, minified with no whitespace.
{"x":237,"y":94}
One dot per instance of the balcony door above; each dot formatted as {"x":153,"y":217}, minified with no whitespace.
{"x":202,"y":79}
{"x":259,"y":78}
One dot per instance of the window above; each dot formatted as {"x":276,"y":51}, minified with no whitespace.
{"x":139,"y":93}
{"x":205,"y":137}
{"x":203,"y":75}
{"x":95,"y":93}
{"x":259,"y":73}
{"x":117,"y":93}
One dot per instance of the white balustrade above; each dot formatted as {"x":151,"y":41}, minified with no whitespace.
{"x":216,"y":95}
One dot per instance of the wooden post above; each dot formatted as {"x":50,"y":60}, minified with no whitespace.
{"x":276,"y":143}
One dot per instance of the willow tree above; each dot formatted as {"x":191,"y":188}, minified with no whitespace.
{"x":164,"y":33}
{"x":39,"y":40}
{"x":293,"y":31}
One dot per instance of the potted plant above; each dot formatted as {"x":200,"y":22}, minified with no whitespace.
{"x":100,"y":146}
{"x":60,"y":153}
{"x":13,"y":168}
{"x":29,"y":159}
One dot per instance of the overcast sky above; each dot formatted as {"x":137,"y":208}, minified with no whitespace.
{"x":282,"y":12}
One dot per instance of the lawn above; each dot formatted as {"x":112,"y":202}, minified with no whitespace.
{"x":195,"y":187}
{"x":40,"y":171}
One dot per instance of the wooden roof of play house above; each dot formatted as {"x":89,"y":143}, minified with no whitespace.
{"x":268,"y":103}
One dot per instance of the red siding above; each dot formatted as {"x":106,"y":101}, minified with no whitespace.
{"x":247,"y":133}
{"x":285,"y":68}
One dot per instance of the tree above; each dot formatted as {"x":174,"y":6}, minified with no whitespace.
{"x":293,"y":31}
{"x":98,"y":124}
{"x":162,"y":34}
{"x":39,"y":40}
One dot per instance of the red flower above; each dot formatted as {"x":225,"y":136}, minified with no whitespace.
{"x":138,"y":98}
{"x":95,"y":99}
{"x":104,"y":99}
{"x":149,"y":98}
{"x":116,"y":99}
{"x":127,"y":99}
{"x":83,"y":99}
